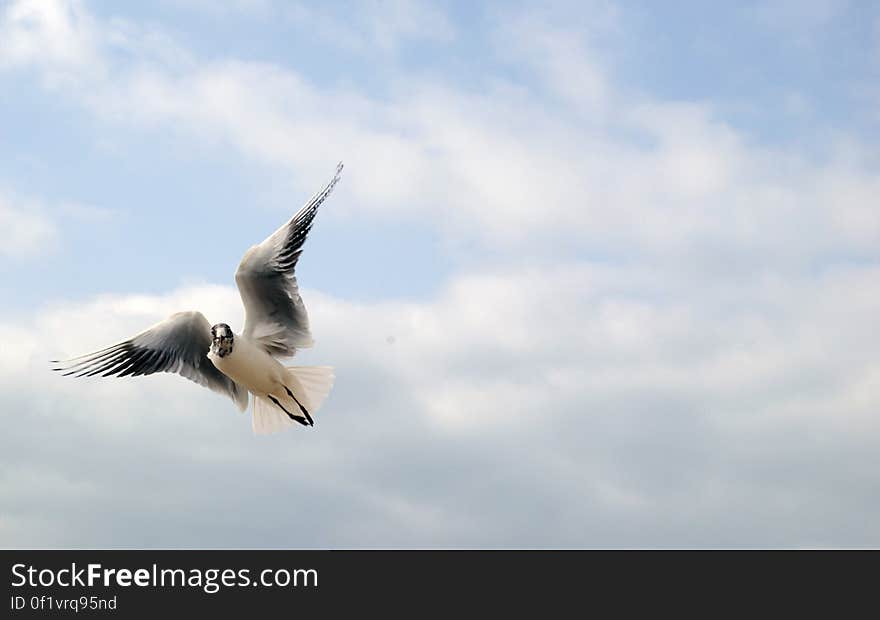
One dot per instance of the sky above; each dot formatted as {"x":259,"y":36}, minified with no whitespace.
{"x":598,"y":274}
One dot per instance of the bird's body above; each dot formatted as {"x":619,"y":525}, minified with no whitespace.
{"x":294,"y":390}
{"x":276,"y":325}
{"x":249,"y":365}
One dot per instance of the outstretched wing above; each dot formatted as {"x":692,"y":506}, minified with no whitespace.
{"x":178,"y":344}
{"x":275,"y":316}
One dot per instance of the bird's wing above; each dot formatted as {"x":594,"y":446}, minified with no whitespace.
{"x":275,"y":316}
{"x":178,"y":344}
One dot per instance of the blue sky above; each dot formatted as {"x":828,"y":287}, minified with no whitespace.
{"x":610,"y":265}
{"x":781,"y":78}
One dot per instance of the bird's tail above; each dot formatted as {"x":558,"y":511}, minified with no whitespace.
{"x":308,"y":387}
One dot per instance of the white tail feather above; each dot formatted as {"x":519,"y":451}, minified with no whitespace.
{"x":314,"y":383}
{"x":310,"y":385}
{"x":268,"y":418}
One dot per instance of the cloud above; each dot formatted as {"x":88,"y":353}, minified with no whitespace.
{"x":374,"y":26}
{"x":663,"y":175}
{"x":670,"y":342}
{"x":238,"y":7}
{"x":27,"y":230}
{"x":58,"y":37}
{"x":563,"y":55}
{"x":33,"y":228}
{"x":584,"y":405}
{"x":368,"y":27}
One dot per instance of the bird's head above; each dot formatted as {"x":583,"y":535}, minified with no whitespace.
{"x":222,"y":340}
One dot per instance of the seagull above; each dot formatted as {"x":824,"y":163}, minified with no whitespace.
{"x":276,"y":325}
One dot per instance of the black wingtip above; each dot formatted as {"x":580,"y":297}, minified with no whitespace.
{"x":336,"y":177}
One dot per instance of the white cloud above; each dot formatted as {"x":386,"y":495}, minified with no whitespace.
{"x":563,"y":55}
{"x":367,"y":26}
{"x":580,"y":406}
{"x":384,"y":26}
{"x":252,"y":7}
{"x":58,"y":37}
{"x":710,"y":386}
{"x":33,"y":228}
{"x":663,"y":175}
{"x":27,"y":229}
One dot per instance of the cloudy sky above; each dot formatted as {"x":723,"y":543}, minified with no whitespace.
{"x":597,"y":274}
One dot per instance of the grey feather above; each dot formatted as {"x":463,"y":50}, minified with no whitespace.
{"x":179,"y":344}
{"x":275,"y":315}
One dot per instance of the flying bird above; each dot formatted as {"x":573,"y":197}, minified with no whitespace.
{"x":276,"y":325}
